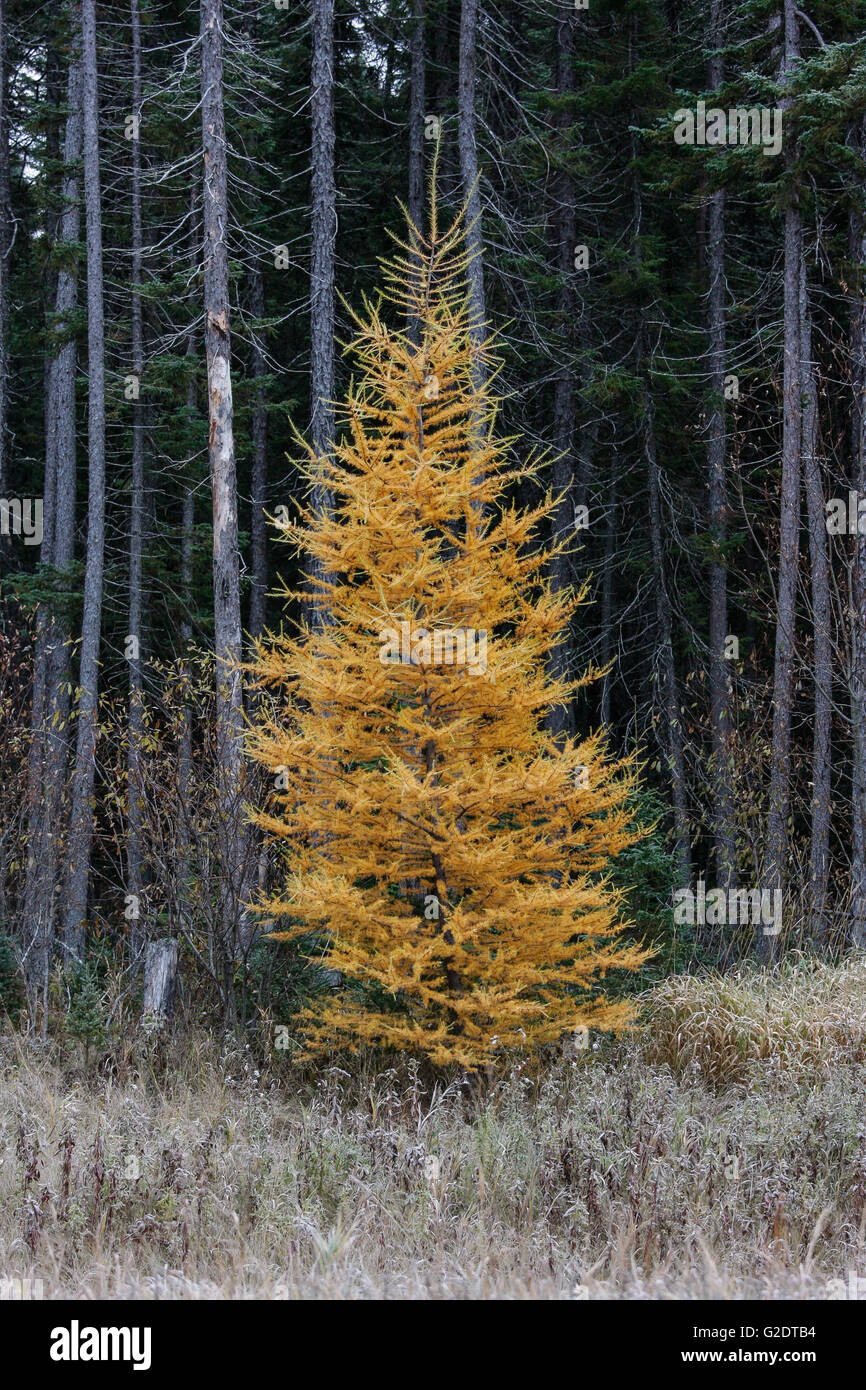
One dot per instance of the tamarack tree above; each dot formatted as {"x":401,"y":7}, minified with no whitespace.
{"x":446,"y":853}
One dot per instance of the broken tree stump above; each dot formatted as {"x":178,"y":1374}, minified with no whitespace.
{"x":160,"y":980}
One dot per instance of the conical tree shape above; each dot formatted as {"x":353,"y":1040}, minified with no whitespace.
{"x":451,"y":853}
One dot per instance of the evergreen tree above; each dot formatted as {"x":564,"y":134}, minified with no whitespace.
{"x":449,"y":850}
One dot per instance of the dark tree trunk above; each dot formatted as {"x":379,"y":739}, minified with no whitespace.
{"x":822,"y":654}
{"x":184,"y":760}
{"x":664,"y":669}
{"x":259,"y":481}
{"x":50,"y":747}
{"x":415,"y":204}
{"x":467,"y":142}
{"x":672,"y":740}
{"x":789,"y":528}
{"x":607,"y":595}
{"x":258,"y":499}
{"x":6,"y":234}
{"x":416,"y":116}
{"x":561,"y":721}
{"x":445,"y":66}
{"x":136,"y":528}
{"x":259,"y":428}
{"x":81,"y":813}
{"x":50,"y":705}
{"x":186,"y":821}
{"x":322,"y":290}
{"x":36,"y":751}
{"x":724,"y":821}
{"x":858,"y":573}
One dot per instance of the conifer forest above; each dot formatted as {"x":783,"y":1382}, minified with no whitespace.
{"x":433,"y":659}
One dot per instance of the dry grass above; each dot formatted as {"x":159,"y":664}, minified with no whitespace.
{"x":214,"y":1176}
{"x":805,"y":1017}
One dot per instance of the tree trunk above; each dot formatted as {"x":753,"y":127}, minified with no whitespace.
{"x":607,"y":593}
{"x":561,"y":721}
{"x":6,"y":236}
{"x":416,"y":116}
{"x":48,"y":721}
{"x":724,"y":822}
{"x":444,"y":71}
{"x":467,"y":143}
{"x":81,"y":813}
{"x":186,"y":821}
{"x":673,"y":738}
{"x":184,"y":752}
{"x":258,"y":524}
{"x":226,"y":557}
{"x":416,"y":139}
{"x":259,"y":487}
{"x":259,"y":371}
{"x":858,"y":572}
{"x":819,"y":562}
{"x":51,"y":741}
{"x":136,"y":529}
{"x":789,"y":527}
{"x":324,"y":236}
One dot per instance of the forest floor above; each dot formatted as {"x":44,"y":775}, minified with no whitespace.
{"x":719,"y":1151}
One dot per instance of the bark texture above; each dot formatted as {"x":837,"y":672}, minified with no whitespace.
{"x":223,"y":476}
{"x":81,"y":811}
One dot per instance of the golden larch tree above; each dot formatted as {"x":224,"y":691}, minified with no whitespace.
{"x":448,"y":852}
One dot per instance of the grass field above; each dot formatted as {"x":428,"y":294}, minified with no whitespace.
{"x":719,"y":1151}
